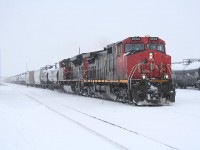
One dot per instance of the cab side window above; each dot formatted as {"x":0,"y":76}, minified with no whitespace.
{"x":119,"y":49}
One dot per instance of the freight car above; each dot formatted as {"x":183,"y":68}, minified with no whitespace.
{"x":187,"y":74}
{"x":46,"y":77}
{"x":14,"y":79}
{"x":19,"y":79}
{"x":30,"y":78}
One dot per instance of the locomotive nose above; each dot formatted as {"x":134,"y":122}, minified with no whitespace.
{"x":153,"y":65}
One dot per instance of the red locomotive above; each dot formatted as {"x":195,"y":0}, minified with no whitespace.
{"x":135,"y":70}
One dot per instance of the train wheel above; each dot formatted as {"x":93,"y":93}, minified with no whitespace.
{"x":135,"y":97}
{"x":171,"y":97}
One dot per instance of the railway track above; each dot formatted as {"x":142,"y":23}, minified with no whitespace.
{"x":122,"y":128}
{"x":96,"y":133}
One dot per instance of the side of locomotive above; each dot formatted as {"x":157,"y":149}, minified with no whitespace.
{"x":135,"y":70}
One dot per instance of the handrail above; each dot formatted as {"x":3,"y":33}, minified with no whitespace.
{"x":132,"y":73}
{"x":169,"y":68}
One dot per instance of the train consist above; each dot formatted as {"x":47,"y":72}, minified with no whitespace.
{"x":135,"y":70}
{"x":187,"y":73}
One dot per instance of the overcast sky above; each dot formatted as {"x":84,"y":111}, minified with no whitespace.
{"x":41,"y":32}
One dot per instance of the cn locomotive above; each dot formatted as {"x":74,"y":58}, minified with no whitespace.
{"x":135,"y":70}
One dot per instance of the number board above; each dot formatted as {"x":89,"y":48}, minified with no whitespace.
{"x":136,"y":38}
{"x":153,"y":38}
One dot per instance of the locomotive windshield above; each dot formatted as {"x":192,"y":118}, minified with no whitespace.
{"x":159,"y":47}
{"x":133,"y":47}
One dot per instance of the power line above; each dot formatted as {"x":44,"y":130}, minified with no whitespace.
{"x":187,"y":61}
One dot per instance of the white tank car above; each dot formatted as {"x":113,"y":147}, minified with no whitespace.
{"x":22,"y":78}
{"x":14,"y":79}
{"x":53,"y":75}
{"x":30,"y":78}
{"x":44,"y":74}
{"x":37,"y":76}
{"x":44,"y":77}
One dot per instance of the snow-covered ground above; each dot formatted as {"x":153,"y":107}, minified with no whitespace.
{"x":39,"y":119}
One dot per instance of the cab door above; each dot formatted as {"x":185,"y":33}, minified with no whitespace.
{"x":121,"y":62}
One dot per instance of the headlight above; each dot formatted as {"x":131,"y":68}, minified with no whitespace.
{"x":166,"y":76}
{"x":144,"y":76}
{"x":150,"y":55}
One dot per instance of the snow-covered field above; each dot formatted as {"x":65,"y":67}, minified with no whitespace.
{"x":39,"y":119}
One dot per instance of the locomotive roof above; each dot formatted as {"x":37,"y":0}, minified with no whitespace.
{"x":138,"y":38}
{"x":91,"y":54}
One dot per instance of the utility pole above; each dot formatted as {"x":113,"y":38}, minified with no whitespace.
{"x":79,"y":51}
{"x":26,"y":67}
